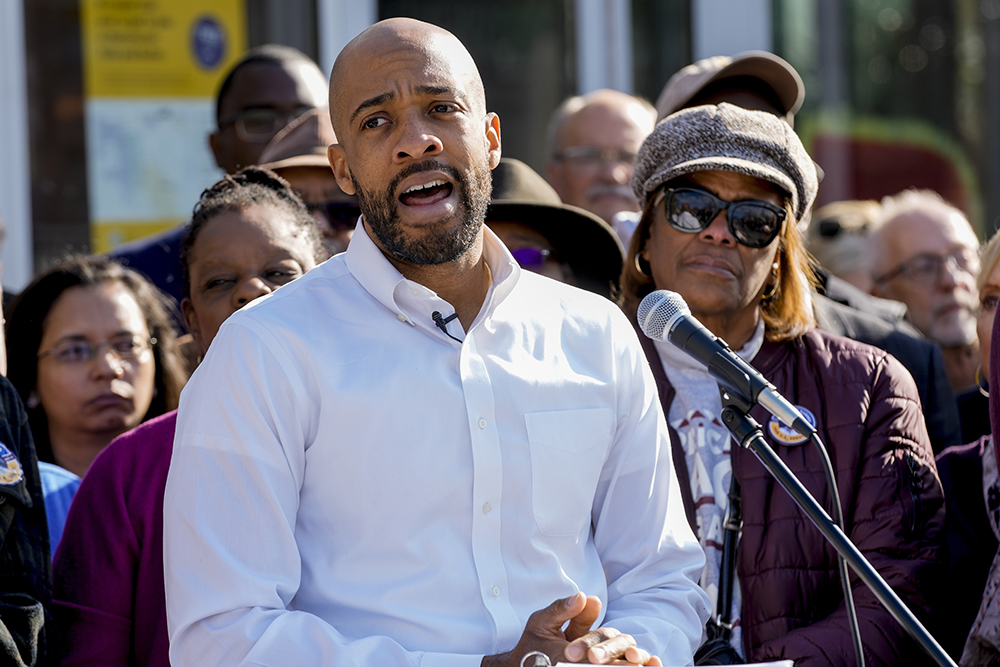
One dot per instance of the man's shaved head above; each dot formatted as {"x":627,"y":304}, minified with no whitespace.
{"x":391,"y":37}
{"x":415,"y":142}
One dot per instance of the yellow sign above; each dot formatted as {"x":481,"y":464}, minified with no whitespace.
{"x":152,"y":69}
{"x":160,"y":48}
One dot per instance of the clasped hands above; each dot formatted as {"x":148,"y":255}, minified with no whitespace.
{"x":577,"y":643}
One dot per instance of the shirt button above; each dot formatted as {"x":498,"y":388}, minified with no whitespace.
{"x":496,"y":591}
{"x":486,"y":508}
{"x":414,"y":291}
{"x":482,"y":423}
{"x":402,"y":317}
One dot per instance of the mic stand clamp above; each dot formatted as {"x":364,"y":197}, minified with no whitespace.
{"x":748,"y":434}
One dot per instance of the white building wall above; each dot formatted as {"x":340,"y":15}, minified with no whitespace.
{"x":340,"y":21}
{"x":15,"y":165}
{"x":604,"y":45}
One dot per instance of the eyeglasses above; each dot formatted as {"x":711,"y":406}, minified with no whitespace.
{"x":592,"y":158}
{"x":342,"y":215}
{"x":531,"y":259}
{"x":833,"y":227}
{"x":926,"y":268}
{"x":125,"y":347}
{"x":260,"y":125}
{"x":753,"y":223}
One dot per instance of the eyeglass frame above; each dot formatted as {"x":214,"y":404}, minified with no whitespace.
{"x":142,"y":345}
{"x":725,"y":206}
{"x":905,"y":269}
{"x":595,"y":157}
{"x":238,"y":121}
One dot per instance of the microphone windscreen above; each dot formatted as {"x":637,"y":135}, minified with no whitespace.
{"x":658,"y":311}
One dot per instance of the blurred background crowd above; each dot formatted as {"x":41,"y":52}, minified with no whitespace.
{"x":166,"y":163}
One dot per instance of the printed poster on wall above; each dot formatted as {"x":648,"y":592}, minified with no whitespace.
{"x":151,"y":72}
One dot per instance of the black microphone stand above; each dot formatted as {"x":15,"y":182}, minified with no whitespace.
{"x":747,"y":432}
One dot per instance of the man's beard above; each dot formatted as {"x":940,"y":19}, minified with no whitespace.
{"x":445,"y":244}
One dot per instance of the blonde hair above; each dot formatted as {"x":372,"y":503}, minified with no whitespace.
{"x":788,"y":314}
{"x":987,"y":260}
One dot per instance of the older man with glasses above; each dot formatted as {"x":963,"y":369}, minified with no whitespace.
{"x":924,"y":253}
{"x":592,"y":142}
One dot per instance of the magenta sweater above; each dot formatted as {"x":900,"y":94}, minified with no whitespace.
{"x":108,"y":595}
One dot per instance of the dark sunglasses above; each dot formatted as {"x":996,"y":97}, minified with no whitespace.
{"x":753,"y":223}
{"x":342,"y":215}
{"x":531,"y":259}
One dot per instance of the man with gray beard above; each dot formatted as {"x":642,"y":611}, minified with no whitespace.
{"x":419,"y":454}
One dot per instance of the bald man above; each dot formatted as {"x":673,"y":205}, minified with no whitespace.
{"x":419,"y":453}
{"x":592,"y":142}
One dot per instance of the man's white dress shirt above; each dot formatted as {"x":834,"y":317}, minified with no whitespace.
{"x":350,"y":486}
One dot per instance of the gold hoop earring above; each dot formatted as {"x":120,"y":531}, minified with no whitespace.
{"x":638,"y":266}
{"x":767,"y":296}
{"x":979,"y":385}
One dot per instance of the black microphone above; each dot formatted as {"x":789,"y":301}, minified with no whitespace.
{"x":663,"y":315}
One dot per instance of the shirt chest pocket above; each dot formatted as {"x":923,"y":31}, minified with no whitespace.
{"x":568,"y":449}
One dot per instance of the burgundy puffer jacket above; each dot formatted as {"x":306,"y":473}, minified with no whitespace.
{"x":868,"y":415}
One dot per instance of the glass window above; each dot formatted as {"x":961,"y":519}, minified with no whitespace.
{"x":661,"y":34}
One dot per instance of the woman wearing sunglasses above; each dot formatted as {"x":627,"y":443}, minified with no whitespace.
{"x":723,"y":192}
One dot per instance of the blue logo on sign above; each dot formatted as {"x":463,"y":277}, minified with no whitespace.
{"x":208,"y":42}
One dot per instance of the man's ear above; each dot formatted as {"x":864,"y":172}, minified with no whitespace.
{"x":191,"y":318}
{"x":338,"y":162}
{"x":492,"y":122}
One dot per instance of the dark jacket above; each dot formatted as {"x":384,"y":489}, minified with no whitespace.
{"x":25,"y":570}
{"x":918,"y":355}
{"x":868,"y":415}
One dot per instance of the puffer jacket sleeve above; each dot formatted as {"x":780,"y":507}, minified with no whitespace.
{"x":894,"y":512}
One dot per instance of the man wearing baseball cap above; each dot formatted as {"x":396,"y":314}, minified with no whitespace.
{"x":755,"y":80}
{"x":298,"y":154}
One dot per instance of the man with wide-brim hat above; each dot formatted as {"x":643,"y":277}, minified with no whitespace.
{"x":766,"y":82}
{"x":546,"y":236}
{"x":298,"y":154}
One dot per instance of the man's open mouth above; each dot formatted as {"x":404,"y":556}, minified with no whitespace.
{"x":427,"y":193}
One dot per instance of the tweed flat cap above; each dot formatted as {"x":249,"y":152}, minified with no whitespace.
{"x":726,"y":138}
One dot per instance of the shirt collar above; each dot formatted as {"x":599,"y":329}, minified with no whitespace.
{"x":384,"y":282}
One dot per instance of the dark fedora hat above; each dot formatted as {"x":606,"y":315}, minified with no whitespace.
{"x":579,"y":238}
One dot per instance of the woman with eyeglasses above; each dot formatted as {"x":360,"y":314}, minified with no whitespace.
{"x":92,"y":353}
{"x":249,"y":235}
{"x":723,"y":191}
